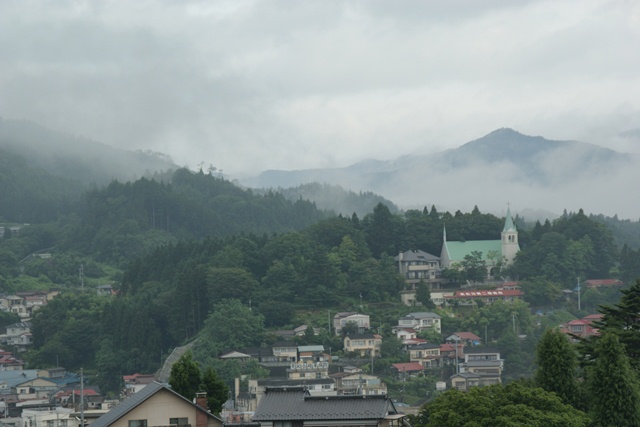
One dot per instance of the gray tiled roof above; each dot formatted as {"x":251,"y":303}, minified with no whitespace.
{"x":295,"y":405}
{"x":134,"y":401}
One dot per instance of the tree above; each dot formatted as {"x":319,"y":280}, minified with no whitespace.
{"x":185,"y":376}
{"x":557,"y":364}
{"x":423,"y":295}
{"x":622,"y":320}
{"x":540,"y":292}
{"x":216,"y":389}
{"x":474,"y":266}
{"x":513,"y":405}
{"x":613,"y":386}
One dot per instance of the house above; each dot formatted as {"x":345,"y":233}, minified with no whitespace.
{"x":341,"y":319}
{"x":404,"y":334}
{"x":410,"y":369}
{"x":427,"y":354}
{"x":312,"y":354}
{"x":467,"y":338}
{"x":308,"y":370}
{"x":18,"y":335}
{"x":463,"y":381}
{"x":452,"y":354}
{"x":581,"y":328}
{"x":58,"y":417}
{"x":315,"y":387}
{"x":285,"y":351}
{"x":8,"y":362}
{"x":419,"y":321}
{"x":597,"y":283}
{"x":364,"y":344}
{"x":503,"y":250}
{"x":294,"y":407}
{"x":484,"y":362}
{"x":359,"y":383}
{"x":158,"y":405}
{"x":418,"y":266}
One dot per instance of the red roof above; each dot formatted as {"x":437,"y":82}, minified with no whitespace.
{"x":602,"y":282}
{"x":483,"y":294}
{"x":467,"y":336}
{"x":408,"y":367}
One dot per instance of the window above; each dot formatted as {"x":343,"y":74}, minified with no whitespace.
{"x":179,"y":421}
{"x":137,"y":423}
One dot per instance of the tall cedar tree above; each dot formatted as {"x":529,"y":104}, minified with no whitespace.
{"x":557,"y":365}
{"x":622,"y":320}
{"x":613,"y":386}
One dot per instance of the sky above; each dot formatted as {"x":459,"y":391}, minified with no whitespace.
{"x":248,"y":86}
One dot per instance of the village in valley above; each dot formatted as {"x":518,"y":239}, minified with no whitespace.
{"x":436,"y":343}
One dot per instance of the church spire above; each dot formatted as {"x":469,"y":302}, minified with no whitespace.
{"x":509,"y":225}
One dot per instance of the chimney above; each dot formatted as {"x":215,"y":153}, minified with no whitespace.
{"x":201,"y":417}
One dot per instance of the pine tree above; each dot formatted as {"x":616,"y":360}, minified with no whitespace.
{"x":613,"y":386}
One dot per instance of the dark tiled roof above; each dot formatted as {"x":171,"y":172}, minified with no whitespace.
{"x":294,"y":405}
{"x":134,"y":401}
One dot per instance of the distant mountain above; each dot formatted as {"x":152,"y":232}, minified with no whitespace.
{"x":505,"y":165}
{"x":335,"y":198}
{"x":77,"y":158}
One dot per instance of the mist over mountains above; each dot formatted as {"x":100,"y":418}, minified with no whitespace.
{"x":540,"y":178}
{"x":536,"y":175}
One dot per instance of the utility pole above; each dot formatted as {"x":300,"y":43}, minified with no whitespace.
{"x":578,"y":287}
{"x":81,"y":398}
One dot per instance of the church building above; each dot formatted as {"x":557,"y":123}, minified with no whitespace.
{"x":492,"y":251}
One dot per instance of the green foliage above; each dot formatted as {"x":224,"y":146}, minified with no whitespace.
{"x":613,"y":386}
{"x":474,"y":267}
{"x":557,"y":366}
{"x":423,"y":296}
{"x":187,"y":380}
{"x":620,"y":319}
{"x":498,"y":318}
{"x":511,"y":405}
{"x":541,"y":292}
{"x":185,"y":376}
{"x":231,"y":325}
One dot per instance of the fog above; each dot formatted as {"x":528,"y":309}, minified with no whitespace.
{"x":255,"y":85}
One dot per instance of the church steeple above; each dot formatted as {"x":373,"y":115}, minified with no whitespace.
{"x":510,"y":246}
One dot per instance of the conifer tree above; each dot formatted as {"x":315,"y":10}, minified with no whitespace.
{"x":613,"y":386}
{"x":557,"y":364}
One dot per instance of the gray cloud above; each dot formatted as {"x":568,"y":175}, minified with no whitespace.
{"x":254,"y":85}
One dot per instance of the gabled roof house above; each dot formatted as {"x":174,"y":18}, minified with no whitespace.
{"x":158,"y":405}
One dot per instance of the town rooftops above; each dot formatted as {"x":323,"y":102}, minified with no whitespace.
{"x":294,"y":404}
{"x":311,"y":348}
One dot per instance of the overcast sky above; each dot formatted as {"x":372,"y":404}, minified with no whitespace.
{"x":255,"y":85}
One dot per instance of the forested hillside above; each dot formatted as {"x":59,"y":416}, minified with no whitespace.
{"x":228,"y":292}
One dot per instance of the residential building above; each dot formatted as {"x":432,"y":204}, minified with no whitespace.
{"x":364,"y":344}
{"x":410,"y":369}
{"x":427,"y":354}
{"x":419,"y":321}
{"x":404,"y":334}
{"x":581,"y":328}
{"x":315,"y":387}
{"x":360,"y":384}
{"x":466,"y":338}
{"x":484,"y":362}
{"x":341,"y":319}
{"x":158,"y":405}
{"x":285,"y":351}
{"x":297,"y":408}
{"x":418,"y":266}
{"x":308,"y":370}
{"x":58,"y":417}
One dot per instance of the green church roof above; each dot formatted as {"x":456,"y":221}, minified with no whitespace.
{"x":458,"y":250}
